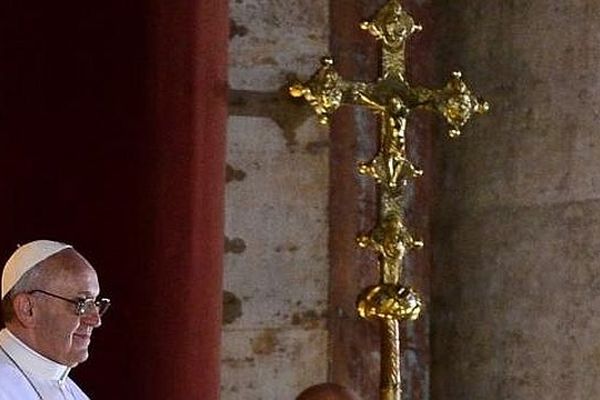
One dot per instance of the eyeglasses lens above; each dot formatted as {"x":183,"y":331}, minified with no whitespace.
{"x":102,"y":305}
{"x":90,"y":306}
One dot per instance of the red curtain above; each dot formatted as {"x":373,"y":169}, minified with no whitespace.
{"x":112,"y":137}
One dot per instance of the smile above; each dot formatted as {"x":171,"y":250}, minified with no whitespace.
{"x":82,"y":336}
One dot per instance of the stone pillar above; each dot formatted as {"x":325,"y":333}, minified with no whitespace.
{"x":516,"y":275}
{"x":276,"y":222}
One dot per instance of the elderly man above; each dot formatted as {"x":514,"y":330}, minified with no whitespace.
{"x":50,"y":307}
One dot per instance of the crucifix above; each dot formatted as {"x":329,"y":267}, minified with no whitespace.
{"x":391,"y":98}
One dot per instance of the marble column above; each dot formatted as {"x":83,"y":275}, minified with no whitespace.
{"x":516,"y":271}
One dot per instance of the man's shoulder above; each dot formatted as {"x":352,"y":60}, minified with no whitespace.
{"x":8,"y":372}
{"x":11,"y":382}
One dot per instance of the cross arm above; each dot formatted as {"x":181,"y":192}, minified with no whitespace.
{"x":454,"y":102}
{"x":326,"y":91}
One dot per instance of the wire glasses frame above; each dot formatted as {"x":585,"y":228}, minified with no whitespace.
{"x":82,"y":305}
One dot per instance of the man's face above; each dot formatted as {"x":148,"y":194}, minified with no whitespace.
{"x":60,"y":334}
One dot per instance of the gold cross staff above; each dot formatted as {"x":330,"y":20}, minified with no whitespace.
{"x":392,"y":99}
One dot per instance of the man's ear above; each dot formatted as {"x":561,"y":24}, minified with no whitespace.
{"x":24,"y":309}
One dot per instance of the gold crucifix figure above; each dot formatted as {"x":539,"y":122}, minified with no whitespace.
{"x":392,"y":99}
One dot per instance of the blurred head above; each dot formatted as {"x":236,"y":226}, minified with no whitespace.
{"x":327,"y":391}
{"x":41,"y":309}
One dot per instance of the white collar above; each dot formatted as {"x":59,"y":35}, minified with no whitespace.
{"x":30,"y":361}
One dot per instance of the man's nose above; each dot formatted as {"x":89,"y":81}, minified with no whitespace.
{"x":92,"y":318}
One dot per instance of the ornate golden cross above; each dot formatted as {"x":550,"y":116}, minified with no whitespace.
{"x":392,"y":98}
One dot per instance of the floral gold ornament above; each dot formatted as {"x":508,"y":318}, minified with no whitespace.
{"x":392,"y":98}
{"x":387,"y":301}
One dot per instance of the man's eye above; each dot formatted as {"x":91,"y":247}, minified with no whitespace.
{"x":84,"y":302}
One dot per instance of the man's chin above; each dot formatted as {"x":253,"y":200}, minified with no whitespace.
{"x":77,"y":358}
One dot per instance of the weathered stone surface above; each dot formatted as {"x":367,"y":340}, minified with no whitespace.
{"x":516,"y":284}
{"x":516,"y":316}
{"x":537,"y":66}
{"x":275,"y":38}
{"x":277,"y":347}
{"x":272,"y":364}
{"x":280,"y":212}
{"x":276,"y":204}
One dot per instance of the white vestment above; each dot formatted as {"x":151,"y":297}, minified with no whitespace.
{"x":49,"y":378}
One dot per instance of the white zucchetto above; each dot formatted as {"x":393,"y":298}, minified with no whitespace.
{"x":26,"y":257}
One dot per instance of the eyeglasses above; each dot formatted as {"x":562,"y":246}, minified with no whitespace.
{"x":82,"y":305}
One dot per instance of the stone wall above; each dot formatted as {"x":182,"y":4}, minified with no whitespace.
{"x":276,"y":262}
{"x":517,"y":270}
